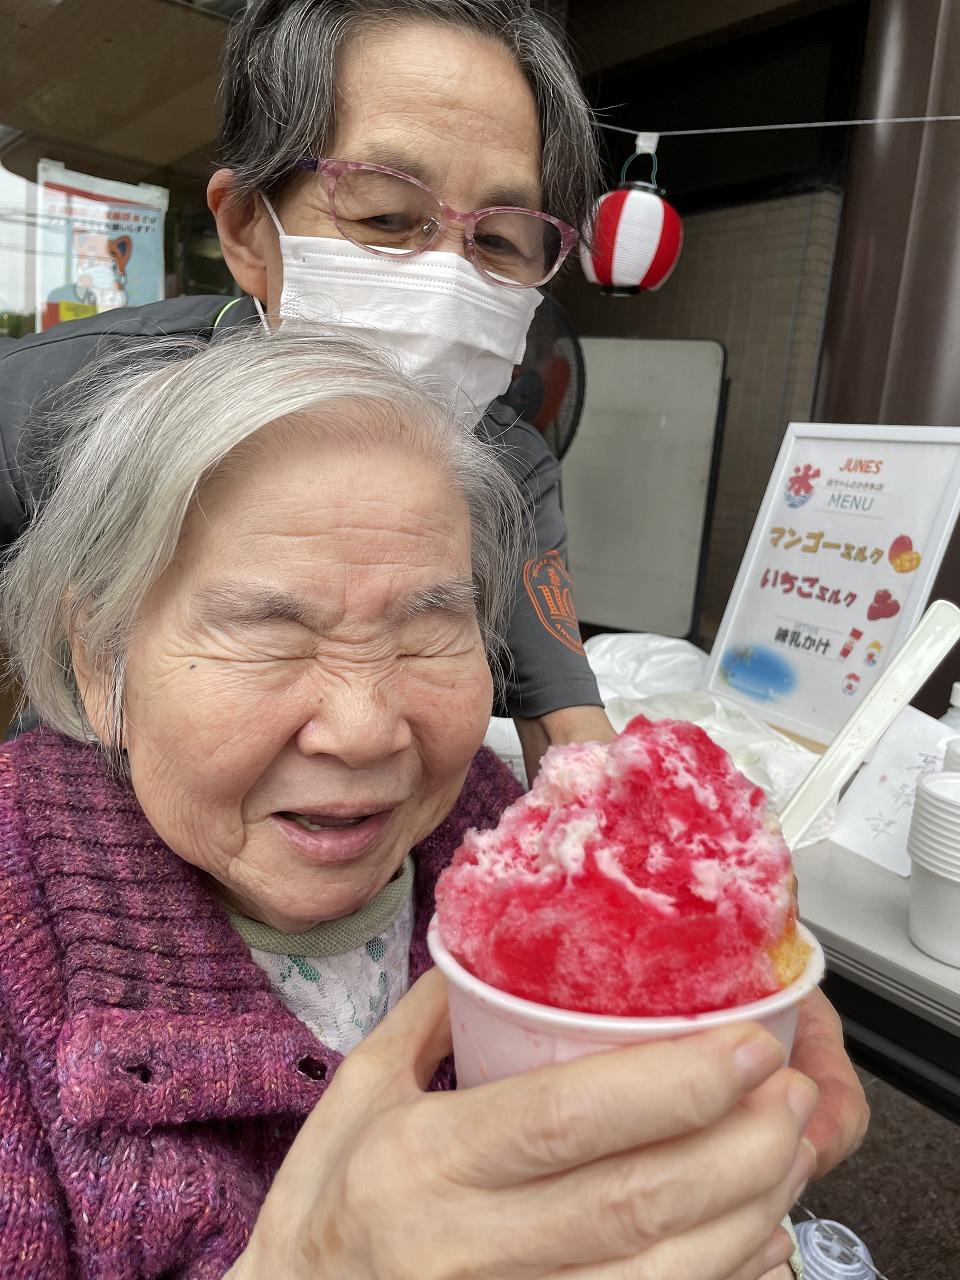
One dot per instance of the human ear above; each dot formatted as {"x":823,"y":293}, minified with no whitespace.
{"x":95,"y":686}
{"x":247,"y":237}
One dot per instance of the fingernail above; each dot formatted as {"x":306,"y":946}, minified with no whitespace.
{"x":757,"y":1058}
{"x":802,"y":1098}
{"x":803,"y":1166}
{"x":779,"y":1249}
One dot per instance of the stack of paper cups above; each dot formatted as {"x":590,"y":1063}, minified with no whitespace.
{"x":934,"y":848}
{"x":831,"y":1251}
{"x":951,"y":760}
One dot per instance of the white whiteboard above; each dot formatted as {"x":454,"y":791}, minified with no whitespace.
{"x":636,"y":480}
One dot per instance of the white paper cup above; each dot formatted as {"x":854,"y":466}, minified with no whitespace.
{"x":941,"y":814}
{"x":925,"y":838}
{"x":934,"y":848}
{"x":924,"y":846}
{"x":939,"y":793}
{"x":946,"y":829}
{"x":935,"y":913}
{"x":941,"y":866}
{"x":951,"y":757}
{"x":496,"y":1035}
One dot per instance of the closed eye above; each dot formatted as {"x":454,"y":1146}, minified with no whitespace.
{"x":453,"y":646}
{"x":426,"y":653}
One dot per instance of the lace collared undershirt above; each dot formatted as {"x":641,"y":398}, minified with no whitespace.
{"x":341,"y":977}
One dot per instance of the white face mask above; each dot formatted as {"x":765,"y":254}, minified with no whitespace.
{"x":436,"y":311}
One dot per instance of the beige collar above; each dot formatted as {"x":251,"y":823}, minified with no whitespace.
{"x":333,"y":937}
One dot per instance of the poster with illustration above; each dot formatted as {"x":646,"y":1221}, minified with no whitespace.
{"x":99,"y":244}
{"x":852,"y":530}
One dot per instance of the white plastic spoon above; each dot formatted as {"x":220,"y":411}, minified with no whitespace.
{"x":924,"y":649}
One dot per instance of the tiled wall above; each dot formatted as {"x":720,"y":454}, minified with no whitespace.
{"x":756,"y":277}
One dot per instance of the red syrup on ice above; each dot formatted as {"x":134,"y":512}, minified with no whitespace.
{"x":643,"y":878}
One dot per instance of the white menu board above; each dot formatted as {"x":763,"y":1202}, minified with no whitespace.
{"x":851,"y":532}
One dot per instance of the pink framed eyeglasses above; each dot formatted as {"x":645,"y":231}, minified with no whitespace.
{"x":391,"y":214}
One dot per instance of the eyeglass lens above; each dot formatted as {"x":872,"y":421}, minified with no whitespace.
{"x":397,"y":216}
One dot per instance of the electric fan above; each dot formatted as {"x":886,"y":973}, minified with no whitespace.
{"x":548,"y":384}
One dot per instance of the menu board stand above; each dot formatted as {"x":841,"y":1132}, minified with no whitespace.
{"x":852,"y":529}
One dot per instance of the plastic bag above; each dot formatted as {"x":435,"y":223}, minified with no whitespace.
{"x":661,"y":677}
{"x":631,"y":664}
{"x":625,"y":665}
{"x":502,"y":738}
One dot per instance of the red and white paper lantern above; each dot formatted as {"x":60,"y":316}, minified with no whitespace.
{"x":637,"y":238}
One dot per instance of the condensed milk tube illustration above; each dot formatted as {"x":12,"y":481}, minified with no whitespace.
{"x":850,"y":642}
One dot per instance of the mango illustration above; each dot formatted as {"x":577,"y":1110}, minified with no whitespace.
{"x":902,"y":555}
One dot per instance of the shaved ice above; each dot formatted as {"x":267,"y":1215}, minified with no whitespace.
{"x":641,"y":878}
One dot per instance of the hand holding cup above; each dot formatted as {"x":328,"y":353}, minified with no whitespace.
{"x":669,"y":1159}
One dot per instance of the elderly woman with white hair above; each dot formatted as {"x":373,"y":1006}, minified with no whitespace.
{"x":412,"y":171}
{"x":256,"y":612}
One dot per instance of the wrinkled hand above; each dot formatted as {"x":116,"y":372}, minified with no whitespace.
{"x":840,"y":1121}
{"x":675,"y":1159}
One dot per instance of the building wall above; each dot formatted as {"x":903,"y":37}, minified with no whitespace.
{"x":755,"y":277}
{"x":893,"y":330}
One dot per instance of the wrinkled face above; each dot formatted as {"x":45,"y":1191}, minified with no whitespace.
{"x":307,"y":684}
{"x":445,"y":105}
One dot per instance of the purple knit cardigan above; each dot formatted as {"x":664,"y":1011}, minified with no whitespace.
{"x":150,"y":1081}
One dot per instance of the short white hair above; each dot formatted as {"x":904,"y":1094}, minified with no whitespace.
{"x":126,"y":449}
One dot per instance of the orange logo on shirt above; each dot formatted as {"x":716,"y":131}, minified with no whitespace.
{"x":550,"y":590}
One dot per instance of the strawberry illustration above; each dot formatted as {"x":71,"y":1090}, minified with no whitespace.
{"x":881,"y":606}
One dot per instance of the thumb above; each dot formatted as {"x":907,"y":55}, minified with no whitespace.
{"x":414,"y":1037}
{"x":392,"y":1065}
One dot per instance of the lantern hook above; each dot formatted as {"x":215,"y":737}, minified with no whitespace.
{"x":644,"y":145}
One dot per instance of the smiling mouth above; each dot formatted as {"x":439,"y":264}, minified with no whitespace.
{"x":323,"y":822}
{"x":328,"y":838}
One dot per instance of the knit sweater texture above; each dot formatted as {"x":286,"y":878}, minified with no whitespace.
{"x":151,"y":1083}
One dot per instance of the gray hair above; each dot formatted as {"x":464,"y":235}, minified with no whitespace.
{"x":133,"y":444}
{"x":279,"y":88}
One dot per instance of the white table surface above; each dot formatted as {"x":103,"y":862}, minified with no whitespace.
{"x":859,"y":912}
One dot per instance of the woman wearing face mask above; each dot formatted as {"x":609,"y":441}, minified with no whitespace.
{"x":411,"y":172}
{"x":352,"y":132}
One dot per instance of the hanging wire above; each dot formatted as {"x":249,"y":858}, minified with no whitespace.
{"x":802,"y":124}
{"x":829,"y":1232}
{"x":629,"y":161}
